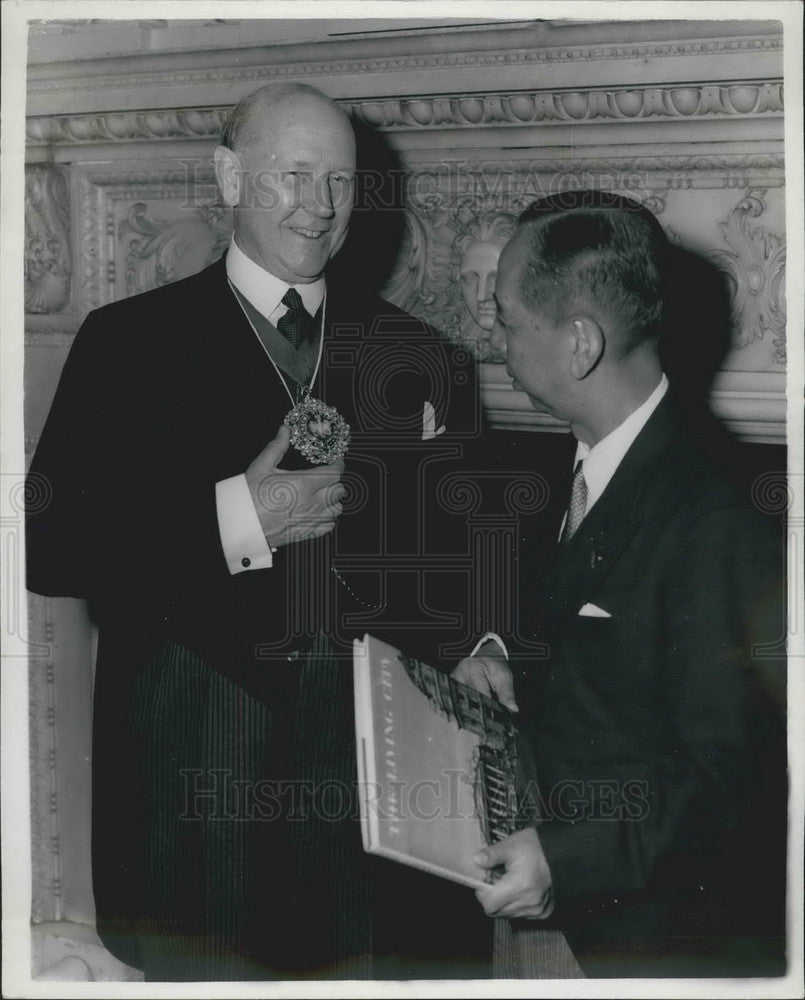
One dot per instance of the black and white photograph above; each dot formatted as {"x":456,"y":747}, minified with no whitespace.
{"x":402,"y":499}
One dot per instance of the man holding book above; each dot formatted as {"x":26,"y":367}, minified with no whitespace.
{"x":656,"y":712}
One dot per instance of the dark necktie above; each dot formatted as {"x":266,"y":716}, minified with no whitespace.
{"x":577,"y":507}
{"x":297,"y":323}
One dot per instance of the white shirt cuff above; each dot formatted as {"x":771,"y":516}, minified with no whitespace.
{"x":495,"y":638}
{"x":244,"y":544}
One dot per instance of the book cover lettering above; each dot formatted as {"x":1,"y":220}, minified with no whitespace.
{"x":436,"y":764}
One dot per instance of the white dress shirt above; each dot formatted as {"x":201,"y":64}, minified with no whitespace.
{"x":265,"y":290}
{"x":602,"y":460}
{"x":242,"y":539}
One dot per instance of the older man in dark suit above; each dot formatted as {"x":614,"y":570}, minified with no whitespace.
{"x":229,"y":573}
{"x":657,"y":713}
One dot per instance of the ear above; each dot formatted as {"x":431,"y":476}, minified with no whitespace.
{"x":587,"y":346}
{"x":227,"y":173}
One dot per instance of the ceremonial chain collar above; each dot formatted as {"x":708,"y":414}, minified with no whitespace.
{"x":318,"y":431}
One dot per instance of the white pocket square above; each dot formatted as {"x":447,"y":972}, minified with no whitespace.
{"x":429,"y":428}
{"x":593,"y":611}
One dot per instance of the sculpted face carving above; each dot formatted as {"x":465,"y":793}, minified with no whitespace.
{"x":478,"y":271}
{"x":475,"y":252}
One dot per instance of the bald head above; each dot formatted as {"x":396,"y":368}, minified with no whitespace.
{"x":248,"y":120}
{"x":287,"y":166}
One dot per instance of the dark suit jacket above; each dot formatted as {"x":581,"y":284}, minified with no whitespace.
{"x":168,"y":392}
{"x":658,"y":731}
{"x":165,"y":394}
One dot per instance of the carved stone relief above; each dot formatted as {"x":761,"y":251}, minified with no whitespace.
{"x":755,"y":265}
{"x":445,"y":205}
{"x":141,"y":228}
{"x":161,"y":250}
{"x":47,"y":244}
{"x":454,"y":282}
{"x":474,"y":256}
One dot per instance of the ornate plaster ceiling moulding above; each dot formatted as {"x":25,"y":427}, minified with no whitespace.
{"x":127,"y":126}
{"x":271,"y":69}
{"x":470,"y":111}
{"x":545,"y":107}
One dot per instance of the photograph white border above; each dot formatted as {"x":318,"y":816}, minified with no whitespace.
{"x":16,"y":866}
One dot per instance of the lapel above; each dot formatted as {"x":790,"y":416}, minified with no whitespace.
{"x":581,"y":564}
{"x":222,"y":330}
{"x":350,"y":325}
{"x":233,"y":395}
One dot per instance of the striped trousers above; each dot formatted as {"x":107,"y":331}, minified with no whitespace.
{"x":253,"y":862}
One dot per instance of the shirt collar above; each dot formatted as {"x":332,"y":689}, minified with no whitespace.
{"x":263,"y":289}
{"x":602,"y":460}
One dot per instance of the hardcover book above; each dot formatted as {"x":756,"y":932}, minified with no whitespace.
{"x":438,"y":765}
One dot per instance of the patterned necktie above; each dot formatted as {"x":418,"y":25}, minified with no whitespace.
{"x":297,"y":323}
{"x":577,"y":507}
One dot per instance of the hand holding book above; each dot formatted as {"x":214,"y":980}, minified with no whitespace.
{"x":524,"y":890}
{"x":488,"y":672}
{"x":419,"y":730}
{"x":438,"y":761}
{"x":522,"y":886}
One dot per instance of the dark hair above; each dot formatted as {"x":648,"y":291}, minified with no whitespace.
{"x":596,"y":247}
{"x":240,"y":128}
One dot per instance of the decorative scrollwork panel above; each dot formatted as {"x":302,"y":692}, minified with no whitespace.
{"x":48,"y":264}
{"x":755,"y":265}
{"x":141,"y":229}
